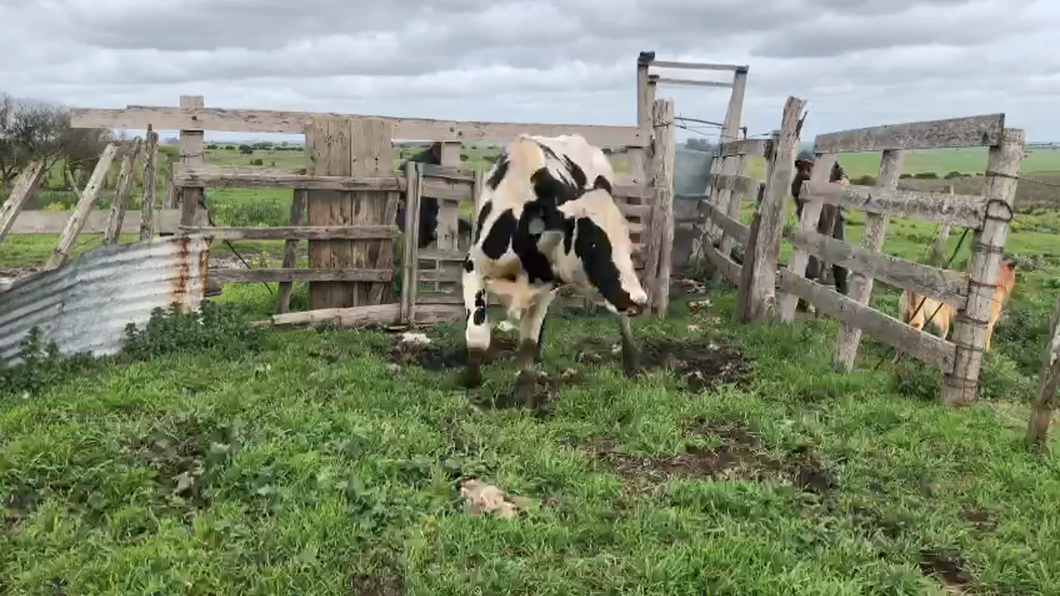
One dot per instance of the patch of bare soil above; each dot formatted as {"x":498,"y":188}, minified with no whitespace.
{"x":384,"y":582}
{"x":738,"y":457}
{"x":979,"y":518}
{"x":948,"y":567}
{"x":438,"y":358}
{"x":700,"y":363}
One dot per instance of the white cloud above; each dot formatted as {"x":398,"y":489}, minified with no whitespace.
{"x":857,"y":62}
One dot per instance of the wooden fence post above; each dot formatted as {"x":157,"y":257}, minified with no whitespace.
{"x":121,"y":195}
{"x":449,"y":211}
{"x":969,"y":331}
{"x":861,"y":285}
{"x":27,"y":184}
{"x":763,"y":257}
{"x":410,"y":262}
{"x":192,"y":153}
{"x":938,"y":249}
{"x":662,"y":225}
{"x":1048,"y":385}
{"x":290,"y":251}
{"x":79,"y":217}
{"x":147,"y":205}
{"x":731,"y":124}
{"x":811,"y":213}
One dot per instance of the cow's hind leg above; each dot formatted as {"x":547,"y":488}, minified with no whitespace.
{"x":630,"y":358}
{"x":530,"y":349}
{"x":477,"y":334}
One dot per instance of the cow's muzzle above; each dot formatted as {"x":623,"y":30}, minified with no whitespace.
{"x":634,"y":310}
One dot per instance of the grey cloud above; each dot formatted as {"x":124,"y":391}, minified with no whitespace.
{"x":858,"y":62}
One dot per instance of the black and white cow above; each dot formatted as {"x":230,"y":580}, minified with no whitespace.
{"x":546,"y":218}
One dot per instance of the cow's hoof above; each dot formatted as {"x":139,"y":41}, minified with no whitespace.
{"x":472,"y":378}
{"x":525,"y":386}
{"x":631,"y":372}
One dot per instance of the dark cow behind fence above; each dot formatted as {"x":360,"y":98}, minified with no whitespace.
{"x":428,"y":205}
{"x":547,"y":219}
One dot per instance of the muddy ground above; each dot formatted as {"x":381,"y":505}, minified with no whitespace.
{"x":733,"y":452}
{"x":699,"y":363}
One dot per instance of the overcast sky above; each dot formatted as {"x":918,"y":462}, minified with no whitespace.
{"x":857,"y":62}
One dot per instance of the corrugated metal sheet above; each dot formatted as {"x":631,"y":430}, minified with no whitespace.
{"x":86,"y":304}
{"x":691,"y":168}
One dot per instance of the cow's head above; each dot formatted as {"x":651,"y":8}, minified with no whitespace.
{"x":596,"y":234}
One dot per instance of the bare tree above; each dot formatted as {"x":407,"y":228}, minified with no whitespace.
{"x":31,"y":129}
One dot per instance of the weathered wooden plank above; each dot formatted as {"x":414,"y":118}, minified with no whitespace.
{"x":811,"y":214}
{"x":764,"y":259}
{"x":1048,"y":385}
{"x":53,"y":222}
{"x":454,"y":173}
{"x":959,"y":210}
{"x":696,"y":65}
{"x":959,"y":384}
{"x":761,"y":147}
{"x":633,"y":191}
{"x":449,"y":212}
{"x":370,"y":150}
{"x":860,"y":284}
{"x":925,"y":347}
{"x":147,"y":205}
{"x":745,"y":310}
{"x":297,"y":275}
{"x":729,"y":226}
{"x":740,"y":184}
{"x":691,"y":82}
{"x":661,"y":234}
{"x":76,"y":221}
{"x":382,"y":314}
{"x":290,"y":251}
{"x":729,"y":268}
{"x":947,"y":286}
{"x":284,"y":122}
{"x":353,"y":232}
{"x":412,"y":207}
{"x":449,"y":273}
{"x":974,"y":131}
{"x":27,"y":183}
{"x":121,"y":195}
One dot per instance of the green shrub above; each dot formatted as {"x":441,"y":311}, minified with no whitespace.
{"x":246,"y":149}
{"x":216,"y":327}
{"x":42,"y":366}
{"x":926,"y":176}
{"x":904,"y":176}
{"x":212,"y":147}
{"x":866,"y":180}
{"x":257,"y":161}
{"x":954,"y":174}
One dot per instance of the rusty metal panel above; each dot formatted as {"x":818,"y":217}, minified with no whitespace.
{"x":85,"y":305}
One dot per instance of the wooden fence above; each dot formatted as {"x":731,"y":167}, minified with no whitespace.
{"x":346,"y":201}
{"x":970,"y":293}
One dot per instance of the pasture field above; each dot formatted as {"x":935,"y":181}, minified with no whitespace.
{"x":225,"y":459}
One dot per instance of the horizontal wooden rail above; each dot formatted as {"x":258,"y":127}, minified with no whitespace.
{"x":730,"y":226}
{"x":358,"y":232}
{"x":922,"y":345}
{"x":449,"y":188}
{"x":228,"y":276}
{"x":691,"y":82}
{"x":947,"y":286}
{"x":761,"y":147}
{"x":966,"y":211}
{"x":729,"y":268}
{"x":696,"y":65}
{"x":285,"y":122}
{"x":974,"y":131}
{"x":364,"y":315}
{"x":741,"y":184}
{"x":53,"y":222}
{"x":492,"y":300}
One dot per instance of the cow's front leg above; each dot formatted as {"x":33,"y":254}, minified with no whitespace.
{"x":630,"y":358}
{"x":530,"y":349}
{"x":477,"y":333}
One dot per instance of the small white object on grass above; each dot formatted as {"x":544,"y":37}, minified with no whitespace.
{"x":415,"y":338}
{"x":506,"y":326}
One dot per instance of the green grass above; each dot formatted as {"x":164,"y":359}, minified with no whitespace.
{"x":306,"y":465}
